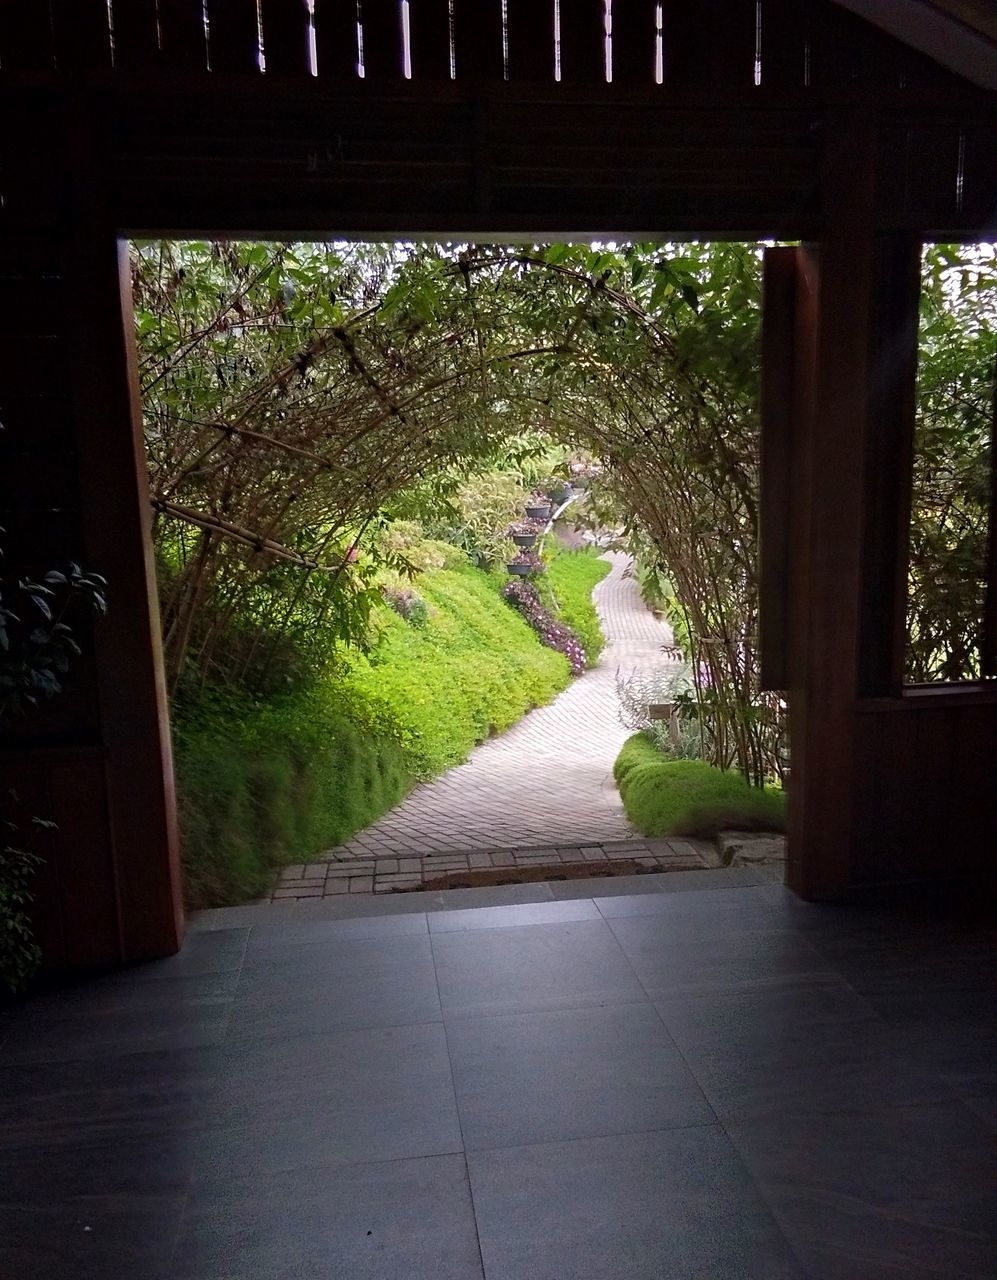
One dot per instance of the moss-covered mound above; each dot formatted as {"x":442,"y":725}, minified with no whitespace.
{"x":690,"y":797}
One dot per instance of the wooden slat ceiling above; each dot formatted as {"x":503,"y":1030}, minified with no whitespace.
{"x":959,"y":34}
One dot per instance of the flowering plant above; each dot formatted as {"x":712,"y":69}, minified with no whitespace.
{"x":530,"y":558}
{"x":407,"y":604}
{"x":524,"y":526}
{"x":555,"y":635}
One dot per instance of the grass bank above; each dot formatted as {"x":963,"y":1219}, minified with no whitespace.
{"x":263,"y":782}
{"x":571,"y":577}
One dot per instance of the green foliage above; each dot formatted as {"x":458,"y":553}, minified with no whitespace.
{"x":37,"y":649}
{"x":37,"y":646}
{"x":567,"y":588}
{"x":951,"y":482}
{"x":473,"y":671}
{"x":484,"y":506}
{"x":318,"y":387}
{"x":265,"y":781}
{"x":20,"y":955}
{"x":690,"y":797}
{"x":688,"y":744}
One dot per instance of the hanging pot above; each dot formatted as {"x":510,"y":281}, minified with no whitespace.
{"x":561,"y":495}
{"x":520,"y":570}
{"x":524,"y":539}
{"x":538,"y":513}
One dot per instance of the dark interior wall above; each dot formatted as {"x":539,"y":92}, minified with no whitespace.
{"x":925,"y":787}
{"x":95,"y":760}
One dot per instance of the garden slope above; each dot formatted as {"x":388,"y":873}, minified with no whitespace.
{"x":267,"y":781}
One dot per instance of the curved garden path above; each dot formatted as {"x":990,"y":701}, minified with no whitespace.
{"x":544,"y":784}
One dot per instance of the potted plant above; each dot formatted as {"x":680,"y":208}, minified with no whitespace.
{"x":525,"y":563}
{"x":559,"y":491}
{"x":538,"y":507}
{"x":524,"y":533}
{"x":582,"y":474}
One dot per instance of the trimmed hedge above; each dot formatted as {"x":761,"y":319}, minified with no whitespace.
{"x":690,"y":797}
{"x":270,"y":781}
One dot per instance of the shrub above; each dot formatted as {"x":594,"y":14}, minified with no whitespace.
{"x":407,"y":604}
{"x":486,"y":503}
{"x":261,"y":783}
{"x":475,"y":670}
{"x":555,"y":635}
{"x":690,"y":797}
{"x":664,"y":684}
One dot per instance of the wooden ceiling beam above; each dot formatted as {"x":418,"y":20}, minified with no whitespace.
{"x":958,"y":34}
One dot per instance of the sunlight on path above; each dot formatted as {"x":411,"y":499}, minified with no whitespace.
{"x":548,"y":780}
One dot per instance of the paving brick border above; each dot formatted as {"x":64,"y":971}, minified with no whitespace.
{"x":350,"y":874}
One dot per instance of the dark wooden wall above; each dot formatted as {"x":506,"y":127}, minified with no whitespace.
{"x":848,"y":140}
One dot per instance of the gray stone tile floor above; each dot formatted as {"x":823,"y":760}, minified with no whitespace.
{"x":703,"y":1079}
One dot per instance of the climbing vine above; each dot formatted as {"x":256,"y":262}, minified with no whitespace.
{"x":294,"y":393}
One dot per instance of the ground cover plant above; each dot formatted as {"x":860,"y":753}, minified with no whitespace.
{"x":265,"y":780}
{"x":525,"y":598}
{"x":571,"y":578}
{"x":665,"y":797}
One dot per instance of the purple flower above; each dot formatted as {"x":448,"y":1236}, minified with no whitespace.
{"x":530,"y":558}
{"x":555,"y":635}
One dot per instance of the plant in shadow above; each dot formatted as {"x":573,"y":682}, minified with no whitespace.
{"x":37,"y":648}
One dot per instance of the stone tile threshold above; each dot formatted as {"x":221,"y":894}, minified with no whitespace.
{"x":342,"y":875}
{"x":406,"y":912}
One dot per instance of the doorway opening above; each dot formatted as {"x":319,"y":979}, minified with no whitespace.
{"x":419,"y":501}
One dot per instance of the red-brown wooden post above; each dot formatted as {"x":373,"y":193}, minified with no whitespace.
{"x":822,"y":711}
{"x":853,"y":532}
{"x":779,"y":428}
{"x":134,"y":717}
{"x":889,"y":465}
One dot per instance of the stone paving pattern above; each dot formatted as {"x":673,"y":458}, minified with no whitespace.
{"x":392,"y":875}
{"x":543,"y":792}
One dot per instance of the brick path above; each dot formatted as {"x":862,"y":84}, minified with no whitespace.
{"x":539,"y":794}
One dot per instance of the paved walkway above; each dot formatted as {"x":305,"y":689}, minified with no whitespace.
{"x":541,"y":793}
